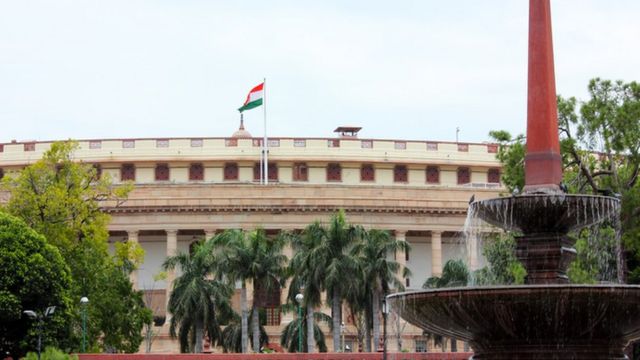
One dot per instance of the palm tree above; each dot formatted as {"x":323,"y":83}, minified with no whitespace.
{"x":308,"y":272}
{"x":330,"y":262}
{"x":379,"y":272}
{"x":197,"y":298}
{"x":251,"y":257}
{"x":289,"y":336}
{"x":232,"y":335}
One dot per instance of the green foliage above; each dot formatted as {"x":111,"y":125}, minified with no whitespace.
{"x":289,"y":338}
{"x":61,"y":198}
{"x":33,"y":276}
{"x":454,"y":274}
{"x":600,"y":147}
{"x":198,"y":299}
{"x":503,"y":268}
{"x":596,"y":259}
{"x":51,"y":353}
{"x":232,"y":335}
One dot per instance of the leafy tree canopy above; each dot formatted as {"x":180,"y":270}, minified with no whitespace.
{"x":33,"y":276}
{"x":61,"y":198}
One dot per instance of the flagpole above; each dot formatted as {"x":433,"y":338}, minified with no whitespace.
{"x":265,"y":145}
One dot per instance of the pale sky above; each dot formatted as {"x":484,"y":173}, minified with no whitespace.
{"x":400,"y":69}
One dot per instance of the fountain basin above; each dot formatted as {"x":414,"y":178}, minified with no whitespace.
{"x":530,"y":322}
{"x":555,"y":213}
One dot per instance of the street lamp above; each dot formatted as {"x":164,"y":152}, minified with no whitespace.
{"x":299,"y":299}
{"x":342,"y":328}
{"x":40,"y":317}
{"x":84,"y":301}
{"x":385,"y":312}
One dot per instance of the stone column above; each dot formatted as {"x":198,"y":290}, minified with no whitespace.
{"x":401,"y":256}
{"x":172,"y":248}
{"x":209,"y":233}
{"x":436,"y":253}
{"x":132,"y":237}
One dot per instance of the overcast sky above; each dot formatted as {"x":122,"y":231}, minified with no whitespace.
{"x":399,"y":69}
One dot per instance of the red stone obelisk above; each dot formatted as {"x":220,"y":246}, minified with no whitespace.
{"x":543,"y":164}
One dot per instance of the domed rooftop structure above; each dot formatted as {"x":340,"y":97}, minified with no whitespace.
{"x":241,"y":132}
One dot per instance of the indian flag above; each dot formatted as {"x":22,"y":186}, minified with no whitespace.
{"x":254,"y":99}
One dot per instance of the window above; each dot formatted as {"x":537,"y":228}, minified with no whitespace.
{"x":464,"y":175}
{"x":492,"y":148}
{"x":367,"y":173}
{"x":493,"y":176}
{"x":366,"y":144}
{"x":257,"y":142}
{"x":273,"y":142}
{"x":231,"y":142}
{"x":162,"y":172}
{"x":463,"y":147}
{"x":98,"y":170}
{"x":231,"y":171}
{"x":1,"y":173}
{"x":400,"y":173}
{"x":432,"y":146}
{"x":1,"y":147}
{"x":333,"y":143}
{"x":128,"y":172}
{"x":400,"y":145}
{"x":273,"y":316}
{"x":257,"y":172}
{"x":300,"y":172}
{"x":196,"y":142}
{"x":30,"y":147}
{"x":95,"y":144}
{"x":162,"y":143}
{"x":300,"y":143}
{"x":407,"y":282}
{"x":128,"y":144}
{"x":196,"y":172}
{"x":421,"y":346}
{"x":433,"y":175}
{"x":334,"y":172}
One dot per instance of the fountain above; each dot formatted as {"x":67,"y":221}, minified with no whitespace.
{"x":547,"y":318}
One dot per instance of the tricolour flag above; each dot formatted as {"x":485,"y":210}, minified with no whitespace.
{"x":254,"y":99}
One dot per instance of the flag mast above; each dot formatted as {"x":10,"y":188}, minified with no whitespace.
{"x":265,"y":146}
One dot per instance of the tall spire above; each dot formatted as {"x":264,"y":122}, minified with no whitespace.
{"x":543,"y":164}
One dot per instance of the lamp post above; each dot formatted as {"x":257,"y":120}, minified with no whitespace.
{"x":342,"y":328}
{"x":299,"y":299}
{"x":40,"y":317}
{"x":385,"y":312}
{"x":84,"y":301}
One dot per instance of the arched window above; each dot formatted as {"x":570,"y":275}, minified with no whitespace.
{"x":196,"y":172}
{"x":162,"y":172}
{"x":128,"y":172}
{"x":433,"y":175}
{"x":334,"y":172}
{"x":400,"y":173}
{"x":493,"y":176}
{"x":300,"y":172}
{"x":231,"y":171}
{"x":464,"y":175}
{"x":367,"y":173}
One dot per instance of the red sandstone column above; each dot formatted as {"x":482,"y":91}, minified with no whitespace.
{"x":543,"y":165}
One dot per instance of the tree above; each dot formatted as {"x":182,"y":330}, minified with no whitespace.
{"x":454,"y":274}
{"x":251,"y":257}
{"x":198,"y":297}
{"x":600,"y":146}
{"x":503,"y":267}
{"x":61,"y":199}
{"x":232,"y":335}
{"x":289,"y":338}
{"x":378,"y":271}
{"x":33,"y":276}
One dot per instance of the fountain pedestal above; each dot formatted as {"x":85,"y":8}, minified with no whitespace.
{"x":546,"y":256}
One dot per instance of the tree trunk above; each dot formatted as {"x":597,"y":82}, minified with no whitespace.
{"x":454,"y":345}
{"x":336,"y":318}
{"x":311,"y":340}
{"x":255,"y":326}
{"x":367,"y":333}
{"x":376,"y":318}
{"x":244,"y":323}
{"x":198,"y":347}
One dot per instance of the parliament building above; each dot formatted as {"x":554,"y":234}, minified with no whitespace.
{"x":190,"y":188}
